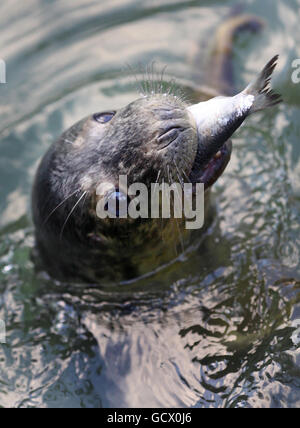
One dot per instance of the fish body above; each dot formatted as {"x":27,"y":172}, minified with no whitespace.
{"x":217,"y":119}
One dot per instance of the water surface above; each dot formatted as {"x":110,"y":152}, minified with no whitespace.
{"x":219,"y":327}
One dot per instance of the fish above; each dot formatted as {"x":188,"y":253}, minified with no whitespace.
{"x":218,"y":118}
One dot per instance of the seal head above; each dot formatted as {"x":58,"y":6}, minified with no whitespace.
{"x":152,"y":140}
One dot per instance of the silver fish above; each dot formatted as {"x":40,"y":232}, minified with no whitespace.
{"x":218,"y":118}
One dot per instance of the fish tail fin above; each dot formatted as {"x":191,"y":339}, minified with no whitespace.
{"x":260,"y":88}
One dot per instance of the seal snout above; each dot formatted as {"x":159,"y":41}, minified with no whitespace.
{"x":168,"y":136}
{"x":160,"y":126}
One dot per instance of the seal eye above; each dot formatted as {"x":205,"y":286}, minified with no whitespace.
{"x":104,"y":117}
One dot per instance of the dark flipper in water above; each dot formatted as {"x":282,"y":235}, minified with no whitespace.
{"x":218,"y":69}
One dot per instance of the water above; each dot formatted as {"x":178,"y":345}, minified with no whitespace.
{"x":220,"y":328}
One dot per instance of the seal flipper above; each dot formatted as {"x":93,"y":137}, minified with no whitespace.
{"x":219,"y":69}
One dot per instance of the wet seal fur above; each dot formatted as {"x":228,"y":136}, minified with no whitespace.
{"x":139,"y":141}
{"x":153,"y":139}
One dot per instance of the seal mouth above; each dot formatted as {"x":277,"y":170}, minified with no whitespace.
{"x":211,"y":172}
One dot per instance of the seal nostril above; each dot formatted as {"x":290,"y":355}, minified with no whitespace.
{"x":169,"y":136}
{"x":104,"y":117}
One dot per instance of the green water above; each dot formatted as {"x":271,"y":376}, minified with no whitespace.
{"x":218,"y":328}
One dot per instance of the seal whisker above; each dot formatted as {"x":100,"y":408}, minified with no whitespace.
{"x":179,"y":176}
{"x":175,"y":218}
{"x":152,"y":76}
{"x":161,"y":219}
{"x":185,"y":174}
{"x":153,"y":82}
{"x":156,"y":80}
{"x":168,"y":175}
{"x":147,"y":80}
{"x":177,"y":224}
{"x":71,"y":212}
{"x":162,"y":79}
{"x":158,"y":176}
{"x":172,"y":84}
{"x":59,"y":205}
{"x":139,"y":86}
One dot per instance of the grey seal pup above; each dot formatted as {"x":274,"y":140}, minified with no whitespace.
{"x":154,"y":139}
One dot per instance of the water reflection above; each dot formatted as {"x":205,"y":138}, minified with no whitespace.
{"x":219,"y":340}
